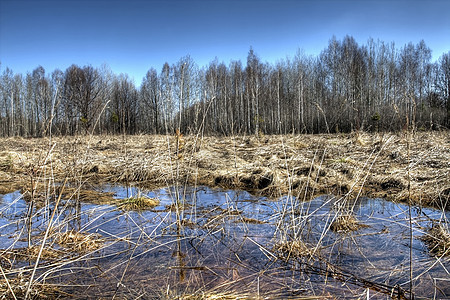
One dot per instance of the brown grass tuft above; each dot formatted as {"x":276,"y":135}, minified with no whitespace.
{"x":138,"y":203}
{"x":438,"y":240}
{"x":79,"y":242}
{"x":30,"y":253}
{"x":6,"y":161}
{"x":19,"y":287}
{"x":216,"y":296}
{"x":346,"y":223}
{"x":293,"y":249}
{"x":252,"y":221}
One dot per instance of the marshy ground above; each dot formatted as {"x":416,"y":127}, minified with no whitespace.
{"x":135,"y":216}
{"x":374,"y":165}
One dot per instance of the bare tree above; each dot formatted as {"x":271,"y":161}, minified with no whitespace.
{"x":125,"y":104}
{"x":347,"y":87}
{"x":150,"y":94}
{"x":82,"y":90}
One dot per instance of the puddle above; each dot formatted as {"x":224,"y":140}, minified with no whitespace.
{"x":216,"y":242}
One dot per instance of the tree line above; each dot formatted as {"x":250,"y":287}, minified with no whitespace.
{"x":374,"y":87}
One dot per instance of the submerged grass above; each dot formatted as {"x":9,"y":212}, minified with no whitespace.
{"x":90,"y":196}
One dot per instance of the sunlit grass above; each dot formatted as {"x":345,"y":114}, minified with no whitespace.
{"x":138,"y":203}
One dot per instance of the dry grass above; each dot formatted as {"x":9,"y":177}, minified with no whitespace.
{"x":6,"y":161}
{"x":240,"y":296}
{"x":252,"y":221}
{"x":90,"y":196}
{"x":293,"y":249}
{"x":301,"y":166}
{"x":215,"y":296}
{"x":374,"y":164}
{"x":174,"y":207}
{"x":69,"y":241}
{"x":19,"y":288}
{"x":138,"y":203}
{"x":30,"y":253}
{"x":346,"y":223}
{"x":437,"y":239}
{"x":79,"y":242}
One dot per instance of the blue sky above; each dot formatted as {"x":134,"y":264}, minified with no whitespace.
{"x":134,"y":35}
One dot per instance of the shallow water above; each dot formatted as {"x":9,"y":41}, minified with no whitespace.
{"x":225,"y":241}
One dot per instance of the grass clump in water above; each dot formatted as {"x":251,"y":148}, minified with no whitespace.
{"x":293,"y":249}
{"x":138,"y":203}
{"x":214,"y":296}
{"x":346,"y":223}
{"x":16,"y":288}
{"x":29,"y":254}
{"x":80,"y":242}
{"x":438,"y":240}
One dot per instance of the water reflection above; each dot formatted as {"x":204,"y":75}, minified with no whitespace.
{"x":202,"y":239}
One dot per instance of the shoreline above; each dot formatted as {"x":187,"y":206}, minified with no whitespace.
{"x":306,"y":166}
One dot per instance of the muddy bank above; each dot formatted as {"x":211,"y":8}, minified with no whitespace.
{"x":374,"y":165}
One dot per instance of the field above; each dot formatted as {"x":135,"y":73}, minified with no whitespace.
{"x":311,"y":210}
{"x":303,"y":166}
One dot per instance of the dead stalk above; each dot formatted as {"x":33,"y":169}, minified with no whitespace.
{"x":49,"y":226}
{"x":411,"y":285}
{"x":7,"y":283}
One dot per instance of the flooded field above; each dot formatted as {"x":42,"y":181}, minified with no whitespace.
{"x":204,"y":243}
{"x":384,"y":165}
